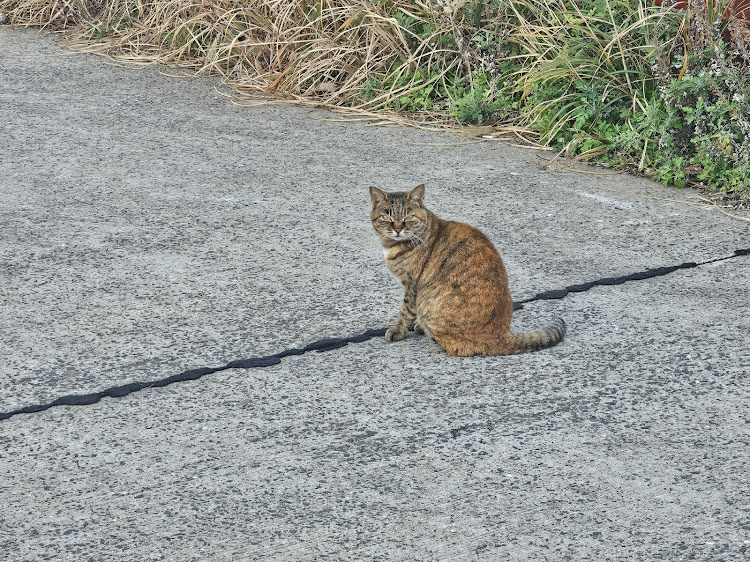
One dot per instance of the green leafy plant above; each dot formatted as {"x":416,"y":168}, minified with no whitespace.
{"x":622,"y":82}
{"x":484,"y":100}
{"x":584,"y":65}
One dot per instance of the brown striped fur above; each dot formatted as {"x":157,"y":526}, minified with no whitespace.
{"x":456,"y":287}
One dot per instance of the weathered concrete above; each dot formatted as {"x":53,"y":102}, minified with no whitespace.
{"x":148,"y":226}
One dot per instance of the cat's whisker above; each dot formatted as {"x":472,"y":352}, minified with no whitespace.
{"x":416,"y":239}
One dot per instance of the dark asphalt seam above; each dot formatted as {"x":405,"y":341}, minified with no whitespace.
{"x":328,"y":344}
{"x":647,"y":274}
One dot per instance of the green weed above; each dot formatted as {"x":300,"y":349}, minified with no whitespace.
{"x":622,"y":82}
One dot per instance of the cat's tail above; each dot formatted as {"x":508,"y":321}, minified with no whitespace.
{"x":544,"y":337}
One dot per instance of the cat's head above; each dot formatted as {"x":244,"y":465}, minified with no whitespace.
{"x":399,"y":215}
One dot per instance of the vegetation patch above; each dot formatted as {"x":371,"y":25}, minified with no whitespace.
{"x":621,"y":82}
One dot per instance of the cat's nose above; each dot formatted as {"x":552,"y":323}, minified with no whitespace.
{"x":398,"y":228}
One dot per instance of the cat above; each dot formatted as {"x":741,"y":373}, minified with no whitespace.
{"x":456,"y":286}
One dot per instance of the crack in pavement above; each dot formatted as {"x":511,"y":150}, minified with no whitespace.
{"x":328,"y":344}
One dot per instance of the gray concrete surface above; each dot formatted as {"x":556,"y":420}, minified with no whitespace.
{"x":148,"y":226}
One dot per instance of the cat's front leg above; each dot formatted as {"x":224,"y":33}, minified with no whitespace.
{"x":405,"y":318}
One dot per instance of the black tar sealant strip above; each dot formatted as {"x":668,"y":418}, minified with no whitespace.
{"x":329,"y":344}
{"x":320,"y":346}
{"x":647,"y":274}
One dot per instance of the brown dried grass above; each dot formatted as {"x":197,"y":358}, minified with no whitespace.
{"x":324,"y":52}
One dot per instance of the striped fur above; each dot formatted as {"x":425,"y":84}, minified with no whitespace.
{"x":456,"y":287}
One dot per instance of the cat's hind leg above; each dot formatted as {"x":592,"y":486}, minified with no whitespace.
{"x":457,"y":347}
{"x":465,"y":347}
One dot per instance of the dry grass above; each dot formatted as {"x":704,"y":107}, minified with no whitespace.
{"x":338,"y":53}
{"x":55,"y":14}
{"x":588,"y":77}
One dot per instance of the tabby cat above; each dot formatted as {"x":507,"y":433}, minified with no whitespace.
{"x":456,"y":287}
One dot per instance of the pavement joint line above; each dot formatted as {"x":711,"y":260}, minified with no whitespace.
{"x":328,"y":344}
{"x":639,"y":276}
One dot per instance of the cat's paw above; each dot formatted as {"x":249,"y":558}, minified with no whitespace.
{"x":394,"y":334}
{"x":418,"y":329}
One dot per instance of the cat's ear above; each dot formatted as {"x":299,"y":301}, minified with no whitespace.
{"x":377,"y":196}
{"x":417,"y":195}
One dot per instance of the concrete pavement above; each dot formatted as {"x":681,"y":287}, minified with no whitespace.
{"x":149,"y":227}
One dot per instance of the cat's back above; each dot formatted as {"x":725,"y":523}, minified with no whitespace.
{"x":464,"y":288}
{"x":461,"y":250}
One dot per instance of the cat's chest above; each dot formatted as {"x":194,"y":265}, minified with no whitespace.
{"x":395,"y":255}
{"x":401,"y":262}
